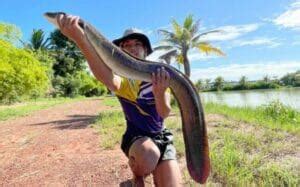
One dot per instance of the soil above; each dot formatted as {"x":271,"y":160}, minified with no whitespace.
{"x":57,"y":147}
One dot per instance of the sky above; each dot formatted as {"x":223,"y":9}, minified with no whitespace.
{"x":259,"y":38}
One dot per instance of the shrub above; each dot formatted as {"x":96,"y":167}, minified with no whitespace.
{"x":21,"y":74}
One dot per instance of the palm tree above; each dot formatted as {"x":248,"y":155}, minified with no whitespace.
{"x":183,"y":38}
{"x":38,"y":41}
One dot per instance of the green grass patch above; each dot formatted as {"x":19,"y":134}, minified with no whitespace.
{"x":240,"y":158}
{"x":111,"y":126}
{"x":26,"y":108}
{"x":274,"y":115}
{"x":110,"y":101}
{"x":242,"y":154}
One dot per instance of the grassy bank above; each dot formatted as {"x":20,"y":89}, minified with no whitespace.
{"x":242,"y":151}
{"x":25,"y":108}
{"x":273,"y":115}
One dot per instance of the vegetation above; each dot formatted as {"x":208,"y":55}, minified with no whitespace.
{"x":291,"y":79}
{"x":244,"y":151}
{"x":219,"y":84}
{"x":181,"y":39}
{"x":21,"y":74}
{"x":50,"y":66}
{"x":273,"y":115}
{"x":26,"y":108}
{"x":10,"y":33}
{"x":38,"y":41}
{"x":111,"y":126}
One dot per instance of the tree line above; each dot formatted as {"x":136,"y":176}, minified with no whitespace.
{"x":53,"y":66}
{"x":219,"y":84}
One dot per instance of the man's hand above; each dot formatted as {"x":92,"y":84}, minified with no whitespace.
{"x":69,"y":26}
{"x":160,"y":81}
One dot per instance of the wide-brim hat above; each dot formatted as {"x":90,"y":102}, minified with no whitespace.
{"x":135,"y":34}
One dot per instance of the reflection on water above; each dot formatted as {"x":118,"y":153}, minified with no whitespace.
{"x":252,"y":98}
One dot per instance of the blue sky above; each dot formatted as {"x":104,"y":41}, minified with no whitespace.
{"x":260,"y":37}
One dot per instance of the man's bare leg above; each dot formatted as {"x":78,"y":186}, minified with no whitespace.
{"x":167,"y":173}
{"x":143,"y":158}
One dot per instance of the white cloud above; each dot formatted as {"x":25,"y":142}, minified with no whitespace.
{"x":230,"y":32}
{"x":268,"y":42}
{"x":291,"y":17}
{"x":251,"y":71}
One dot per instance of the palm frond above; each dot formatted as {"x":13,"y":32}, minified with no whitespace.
{"x":195,"y":28}
{"x":166,"y":33}
{"x":196,"y":38}
{"x":163,"y":47}
{"x":207,"y":48}
{"x":168,"y":55}
{"x":180,"y":59}
{"x":171,"y":53}
{"x":188,"y":22}
{"x":177,"y":28}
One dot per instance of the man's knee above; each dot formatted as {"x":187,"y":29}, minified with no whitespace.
{"x":143,"y":156}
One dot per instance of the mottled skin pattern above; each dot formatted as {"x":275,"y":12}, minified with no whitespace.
{"x":193,"y":123}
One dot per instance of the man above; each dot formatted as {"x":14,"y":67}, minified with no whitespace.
{"x":146,"y":143}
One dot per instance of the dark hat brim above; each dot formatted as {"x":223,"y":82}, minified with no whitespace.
{"x":143,"y":38}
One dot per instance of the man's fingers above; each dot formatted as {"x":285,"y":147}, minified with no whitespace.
{"x":60,"y":20}
{"x":75,"y":20}
{"x":162,"y":74}
{"x":165,"y":74}
{"x":153,"y":78}
{"x":69,"y":19}
{"x":167,"y":78}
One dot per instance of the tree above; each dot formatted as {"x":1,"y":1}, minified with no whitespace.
{"x":266,"y":79}
{"x":68,"y":58}
{"x":297,"y":78}
{"x":291,"y":79}
{"x":183,"y":38}
{"x":219,"y":83}
{"x":199,"y":85}
{"x":207,"y":83}
{"x":243,"y":82}
{"x":38,"y":41}
{"x":70,"y":75}
{"x":10,"y":33}
{"x":21,"y":74}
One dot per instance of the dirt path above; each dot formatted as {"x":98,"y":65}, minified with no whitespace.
{"x":56,"y":147}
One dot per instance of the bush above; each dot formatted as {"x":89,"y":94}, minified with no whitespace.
{"x":80,"y":84}
{"x":89,"y":86}
{"x":21,"y":74}
{"x":279,"y":112}
{"x":263,"y":85}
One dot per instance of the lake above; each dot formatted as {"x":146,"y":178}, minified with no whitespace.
{"x":253,"y":98}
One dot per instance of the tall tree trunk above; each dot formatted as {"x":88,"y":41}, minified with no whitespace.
{"x":186,"y":64}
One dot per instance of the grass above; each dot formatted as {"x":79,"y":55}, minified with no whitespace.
{"x":110,"y":101}
{"x":111,"y":126}
{"x":242,"y":152}
{"x":274,"y":115}
{"x":25,"y":108}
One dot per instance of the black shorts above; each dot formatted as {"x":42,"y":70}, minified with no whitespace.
{"x":163,"y":140}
